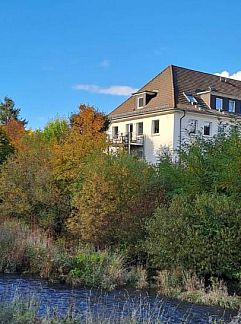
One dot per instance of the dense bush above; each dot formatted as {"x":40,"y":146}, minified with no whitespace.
{"x":205,"y":166}
{"x":29,"y":191}
{"x":112,"y":200}
{"x":202,"y":234}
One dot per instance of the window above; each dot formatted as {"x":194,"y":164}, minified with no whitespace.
{"x":231,"y":106}
{"x":192,"y":126}
{"x":139,"y":128}
{"x":219,"y":103}
{"x":115,"y":131}
{"x":190,"y":98}
{"x":222,"y":127}
{"x":155,"y":127}
{"x":207,"y":129}
{"x":140,"y":102}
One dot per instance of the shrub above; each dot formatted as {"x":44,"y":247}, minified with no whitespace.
{"x":98,"y":269}
{"x":202,"y":234}
{"x":112,"y":200}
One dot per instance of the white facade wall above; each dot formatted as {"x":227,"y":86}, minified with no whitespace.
{"x":169,"y":125}
{"x":201,"y":119}
{"x":153,"y":143}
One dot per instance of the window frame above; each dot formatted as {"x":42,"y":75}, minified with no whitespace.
{"x":221,"y":101}
{"x":137,"y":129}
{"x":234,"y":106}
{"x":190,"y":98}
{"x":210,"y":128}
{"x":138,"y":102}
{"x":114,"y":133}
{"x":153,"y":127}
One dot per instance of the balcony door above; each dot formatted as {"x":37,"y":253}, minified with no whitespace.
{"x":129,"y":130}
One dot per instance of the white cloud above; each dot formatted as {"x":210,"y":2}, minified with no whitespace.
{"x":226,"y":74}
{"x":105,"y":63}
{"x":115,"y":90}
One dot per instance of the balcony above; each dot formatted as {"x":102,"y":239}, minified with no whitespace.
{"x":128,"y":139}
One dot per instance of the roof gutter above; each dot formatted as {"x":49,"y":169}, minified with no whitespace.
{"x":180,"y":128}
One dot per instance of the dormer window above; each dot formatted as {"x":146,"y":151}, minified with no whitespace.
{"x":219,"y":104}
{"x":190,"y":98}
{"x":144,"y":97}
{"x":140,"y":102}
{"x":231,"y":106}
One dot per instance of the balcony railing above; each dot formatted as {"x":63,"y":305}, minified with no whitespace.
{"x":130,"y":138}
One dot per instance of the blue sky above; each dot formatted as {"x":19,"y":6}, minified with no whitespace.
{"x":56,"y":54}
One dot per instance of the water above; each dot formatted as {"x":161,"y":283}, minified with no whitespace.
{"x":114,"y":304}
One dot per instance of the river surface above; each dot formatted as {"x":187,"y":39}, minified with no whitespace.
{"x":113,"y":305}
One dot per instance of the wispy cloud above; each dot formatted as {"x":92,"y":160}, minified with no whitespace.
{"x":115,"y":90}
{"x":105,"y":63}
{"x":226,"y":74}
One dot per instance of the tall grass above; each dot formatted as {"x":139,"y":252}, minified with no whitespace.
{"x":31,"y":251}
{"x":186,"y":285}
{"x":26,"y":310}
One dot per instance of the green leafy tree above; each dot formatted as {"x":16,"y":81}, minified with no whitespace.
{"x":55,"y":130}
{"x":206,"y":166}
{"x":9,"y":112}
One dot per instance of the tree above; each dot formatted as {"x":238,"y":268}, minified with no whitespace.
{"x":112,"y":200}
{"x":206,"y":166}
{"x":89,"y":121}
{"x":28,"y":189}
{"x":8,"y":112}
{"x":85,"y":136}
{"x":6,"y":148}
{"x":55,"y":130}
{"x":15,"y":131}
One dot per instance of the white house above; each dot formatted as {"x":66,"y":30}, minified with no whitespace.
{"x":173,"y":106}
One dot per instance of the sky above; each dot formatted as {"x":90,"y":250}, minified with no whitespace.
{"x":56,"y":54}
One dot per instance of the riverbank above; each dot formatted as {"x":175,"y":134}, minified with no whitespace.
{"x":27,"y":251}
{"x":36,"y":298}
{"x":23,"y":250}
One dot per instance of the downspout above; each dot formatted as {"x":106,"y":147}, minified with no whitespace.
{"x":180,"y":128}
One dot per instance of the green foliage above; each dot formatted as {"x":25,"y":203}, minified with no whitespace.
{"x":98,"y":269}
{"x":29,"y":191}
{"x":112,"y":199}
{"x":55,"y":130}
{"x":206,"y":231}
{"x":8,"y":112}
{"x":6,"y":148}
{"x":199,"y":228}
{"x":205,"y":166}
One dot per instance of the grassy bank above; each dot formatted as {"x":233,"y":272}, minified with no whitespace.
{"x":31,"y":251}
{"x":187,"y":286}
{"x":23,"y":250}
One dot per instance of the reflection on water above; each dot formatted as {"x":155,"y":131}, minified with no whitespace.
{"x":114,"y":305}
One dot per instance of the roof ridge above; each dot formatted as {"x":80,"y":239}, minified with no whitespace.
{"x":214,"y":75}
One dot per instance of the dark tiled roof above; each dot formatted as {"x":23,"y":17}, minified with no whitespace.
{"x":172,"y":82}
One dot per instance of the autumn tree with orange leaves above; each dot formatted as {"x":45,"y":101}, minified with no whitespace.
{"x":86,"y":135}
